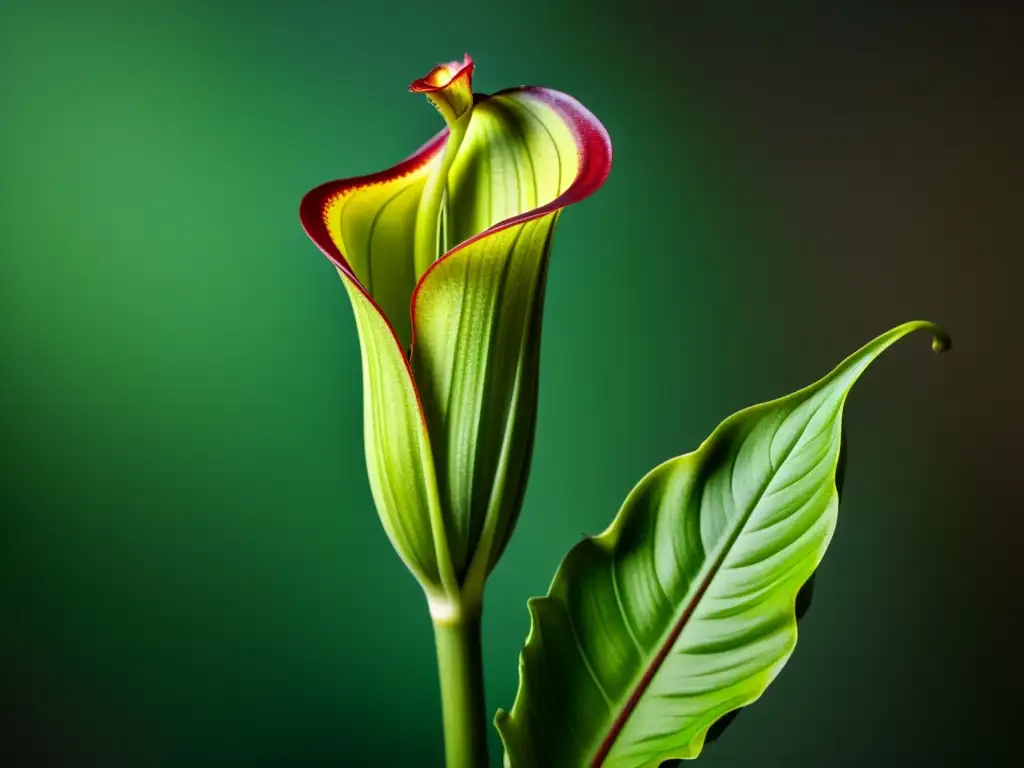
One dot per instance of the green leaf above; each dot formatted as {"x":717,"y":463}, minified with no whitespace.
{"x":477,"y":311}
{"x":398,"y":454}
{"x":683,"y":610}
{"x":371,"y":220}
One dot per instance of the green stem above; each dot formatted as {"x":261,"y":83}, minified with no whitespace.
{"x":460,"y":667}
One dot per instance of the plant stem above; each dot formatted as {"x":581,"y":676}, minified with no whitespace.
{"x":460,"y":667}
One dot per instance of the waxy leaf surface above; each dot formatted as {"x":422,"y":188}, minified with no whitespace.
{"x":683,"y":610}
{"x":477,"y":311}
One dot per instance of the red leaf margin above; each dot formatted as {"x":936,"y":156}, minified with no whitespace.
{"x":594,"y":149}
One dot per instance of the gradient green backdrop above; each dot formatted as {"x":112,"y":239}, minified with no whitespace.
{"x":191,"y":569}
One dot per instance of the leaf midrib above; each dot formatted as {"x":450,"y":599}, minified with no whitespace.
{"x":659,"y":659}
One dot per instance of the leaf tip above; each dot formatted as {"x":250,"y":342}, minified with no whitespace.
{"x":941,"y":341}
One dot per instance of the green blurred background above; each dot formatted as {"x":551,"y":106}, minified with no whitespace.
{"x":191,"y":569}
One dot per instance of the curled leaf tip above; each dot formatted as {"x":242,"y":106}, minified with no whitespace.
{"x":941,"y":341}
{"x":449,"y":87}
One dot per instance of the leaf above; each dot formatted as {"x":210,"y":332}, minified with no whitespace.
{"x":366,"y":226}
{"x":683,"y":610}
{"x":370,"y":220}
{"x":528,"y":153}
{"x":802,"y":604}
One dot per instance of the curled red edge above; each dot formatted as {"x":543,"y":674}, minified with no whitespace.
{"x":455,"y":70}
{"x":595,"y":161}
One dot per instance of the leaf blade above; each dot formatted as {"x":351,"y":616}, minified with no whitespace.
{"x":365,"y":226}
{"x":528,"y":153}
{"x":699,"y":572}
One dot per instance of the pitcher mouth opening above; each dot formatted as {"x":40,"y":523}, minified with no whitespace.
{"x":443,"y":75}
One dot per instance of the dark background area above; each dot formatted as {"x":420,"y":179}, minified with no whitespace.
{"x":191,"y":569}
